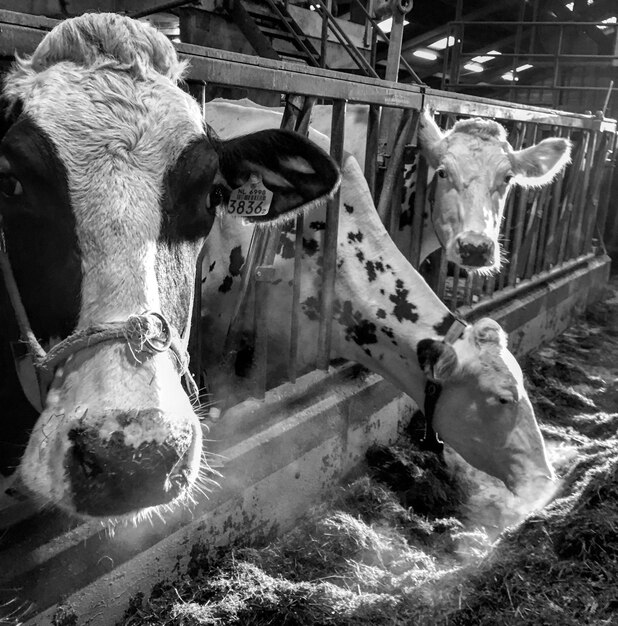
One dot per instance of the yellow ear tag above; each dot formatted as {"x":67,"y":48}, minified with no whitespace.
{"x":250,"y":200}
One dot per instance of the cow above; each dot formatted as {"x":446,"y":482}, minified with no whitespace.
{"x":473,"y":166}
{"x":385,"y":317}
{"x":110,"y":182}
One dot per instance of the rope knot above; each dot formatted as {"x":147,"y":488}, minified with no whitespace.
{"x":148,"y":332}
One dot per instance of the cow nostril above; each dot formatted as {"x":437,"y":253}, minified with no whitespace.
{"x":83,"y":456}
{"x":112,"y":476}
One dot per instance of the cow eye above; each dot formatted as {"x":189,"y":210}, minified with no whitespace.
{"x":441,"y":172}
{"x":10,"y":186}
{"x":508,"y":178}
{"x":218,"y":195}
{"x":504,"y":400}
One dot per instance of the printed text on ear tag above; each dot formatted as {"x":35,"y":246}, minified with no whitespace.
{"x":250,"y":200}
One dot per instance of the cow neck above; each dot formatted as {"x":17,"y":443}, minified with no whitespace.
{"x":145,"y":333}
{"x":385,"y":306}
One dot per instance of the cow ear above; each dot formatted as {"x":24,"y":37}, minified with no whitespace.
{"x":430,"y":139}
{"x":437,"y":359}
{"x":537,"y":165}
{"x":297,"y":172}
{"x":487,"y":333}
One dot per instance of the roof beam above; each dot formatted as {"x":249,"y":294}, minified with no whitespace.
{"x":488,"y":9}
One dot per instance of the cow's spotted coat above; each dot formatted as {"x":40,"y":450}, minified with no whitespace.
{"x":382,"y":310}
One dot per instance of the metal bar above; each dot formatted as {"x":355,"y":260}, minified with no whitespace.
{"x":371,"y":148}
{"x":420,"y":202}
{"x":570,"y":197}
{"x":527,"y":23}
{"x":529,"y":239}
{"x":557,"y":67}
{"x":519,"y":218}
{"x":610,"y":165}
{"x":551,"y":247}
{"x":575,"y":236}
{"x":302,"y":127}
{"x":295,"y":321}
{"x":509,"y":209}
{"x":233,"y":69}
{"x":329,"y":263}
{"x":483,"y":307}
{"x":592,"y":202}
{"x":394,"y":47}
{"x":540,"y":249}
{"x":324,"y":35}
{"x":409,"y":120}
{"x":165,"y":6}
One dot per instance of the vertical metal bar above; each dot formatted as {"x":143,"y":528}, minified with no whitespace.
{"x":602,"y":222}
{"x":517,"y":237}
{"x":575,"y":236}
{"x":570,"y":200}
{"x":517,"y":49}
{"x":409,"y":120}
{"x":592,"y":203}
{"x":261,"y":270}
{"x":551,"y":244}
{"x":519,"y":219}
{"x":329,"y":263}
{"x":302,"y":127}
{"x":295,"y":321}
{"x":304,"y":117}
{"x":556,"y":77}
{"x":324,"y":39}
{"x":371,"y":148}
{"x":420,"y":202}
{"x":394,"y":47}
{"x":538,"y":257}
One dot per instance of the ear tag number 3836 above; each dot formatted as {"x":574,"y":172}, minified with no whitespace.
{"x":250,"y":200}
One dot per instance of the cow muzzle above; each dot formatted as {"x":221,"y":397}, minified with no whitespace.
{"x":146,"y":458}
{"x":474,"y":250}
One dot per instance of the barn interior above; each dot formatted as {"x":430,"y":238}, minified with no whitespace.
{"x":540,"y":67}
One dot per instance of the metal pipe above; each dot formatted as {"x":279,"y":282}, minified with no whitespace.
{"x":371,"y":148}
{"x":420,"y":202}
{"x":483,"y":307}
{"x":295,"y":317}
{"x":166,"y":6}
{"x":409,"y":120}
{"x":324,"y":34}
{"x":329,"y":262}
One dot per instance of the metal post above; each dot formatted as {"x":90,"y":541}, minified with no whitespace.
{"x":409,"y":120}
{"x":324,"y":40}
{"x":371,"y":148}
{"x":420,"y":200}
{"x":329,"y":263}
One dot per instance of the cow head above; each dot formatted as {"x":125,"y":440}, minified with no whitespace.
{"x":109,"y":184}
{"x":474,"y":169}
{"x":483,"y":410}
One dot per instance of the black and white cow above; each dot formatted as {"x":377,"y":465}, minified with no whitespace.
{"x":382,"y":312}
{"x":109,"y":184}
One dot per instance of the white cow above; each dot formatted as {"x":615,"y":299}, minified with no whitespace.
{"x":475,"y":167}
{"x":382,"y":310}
